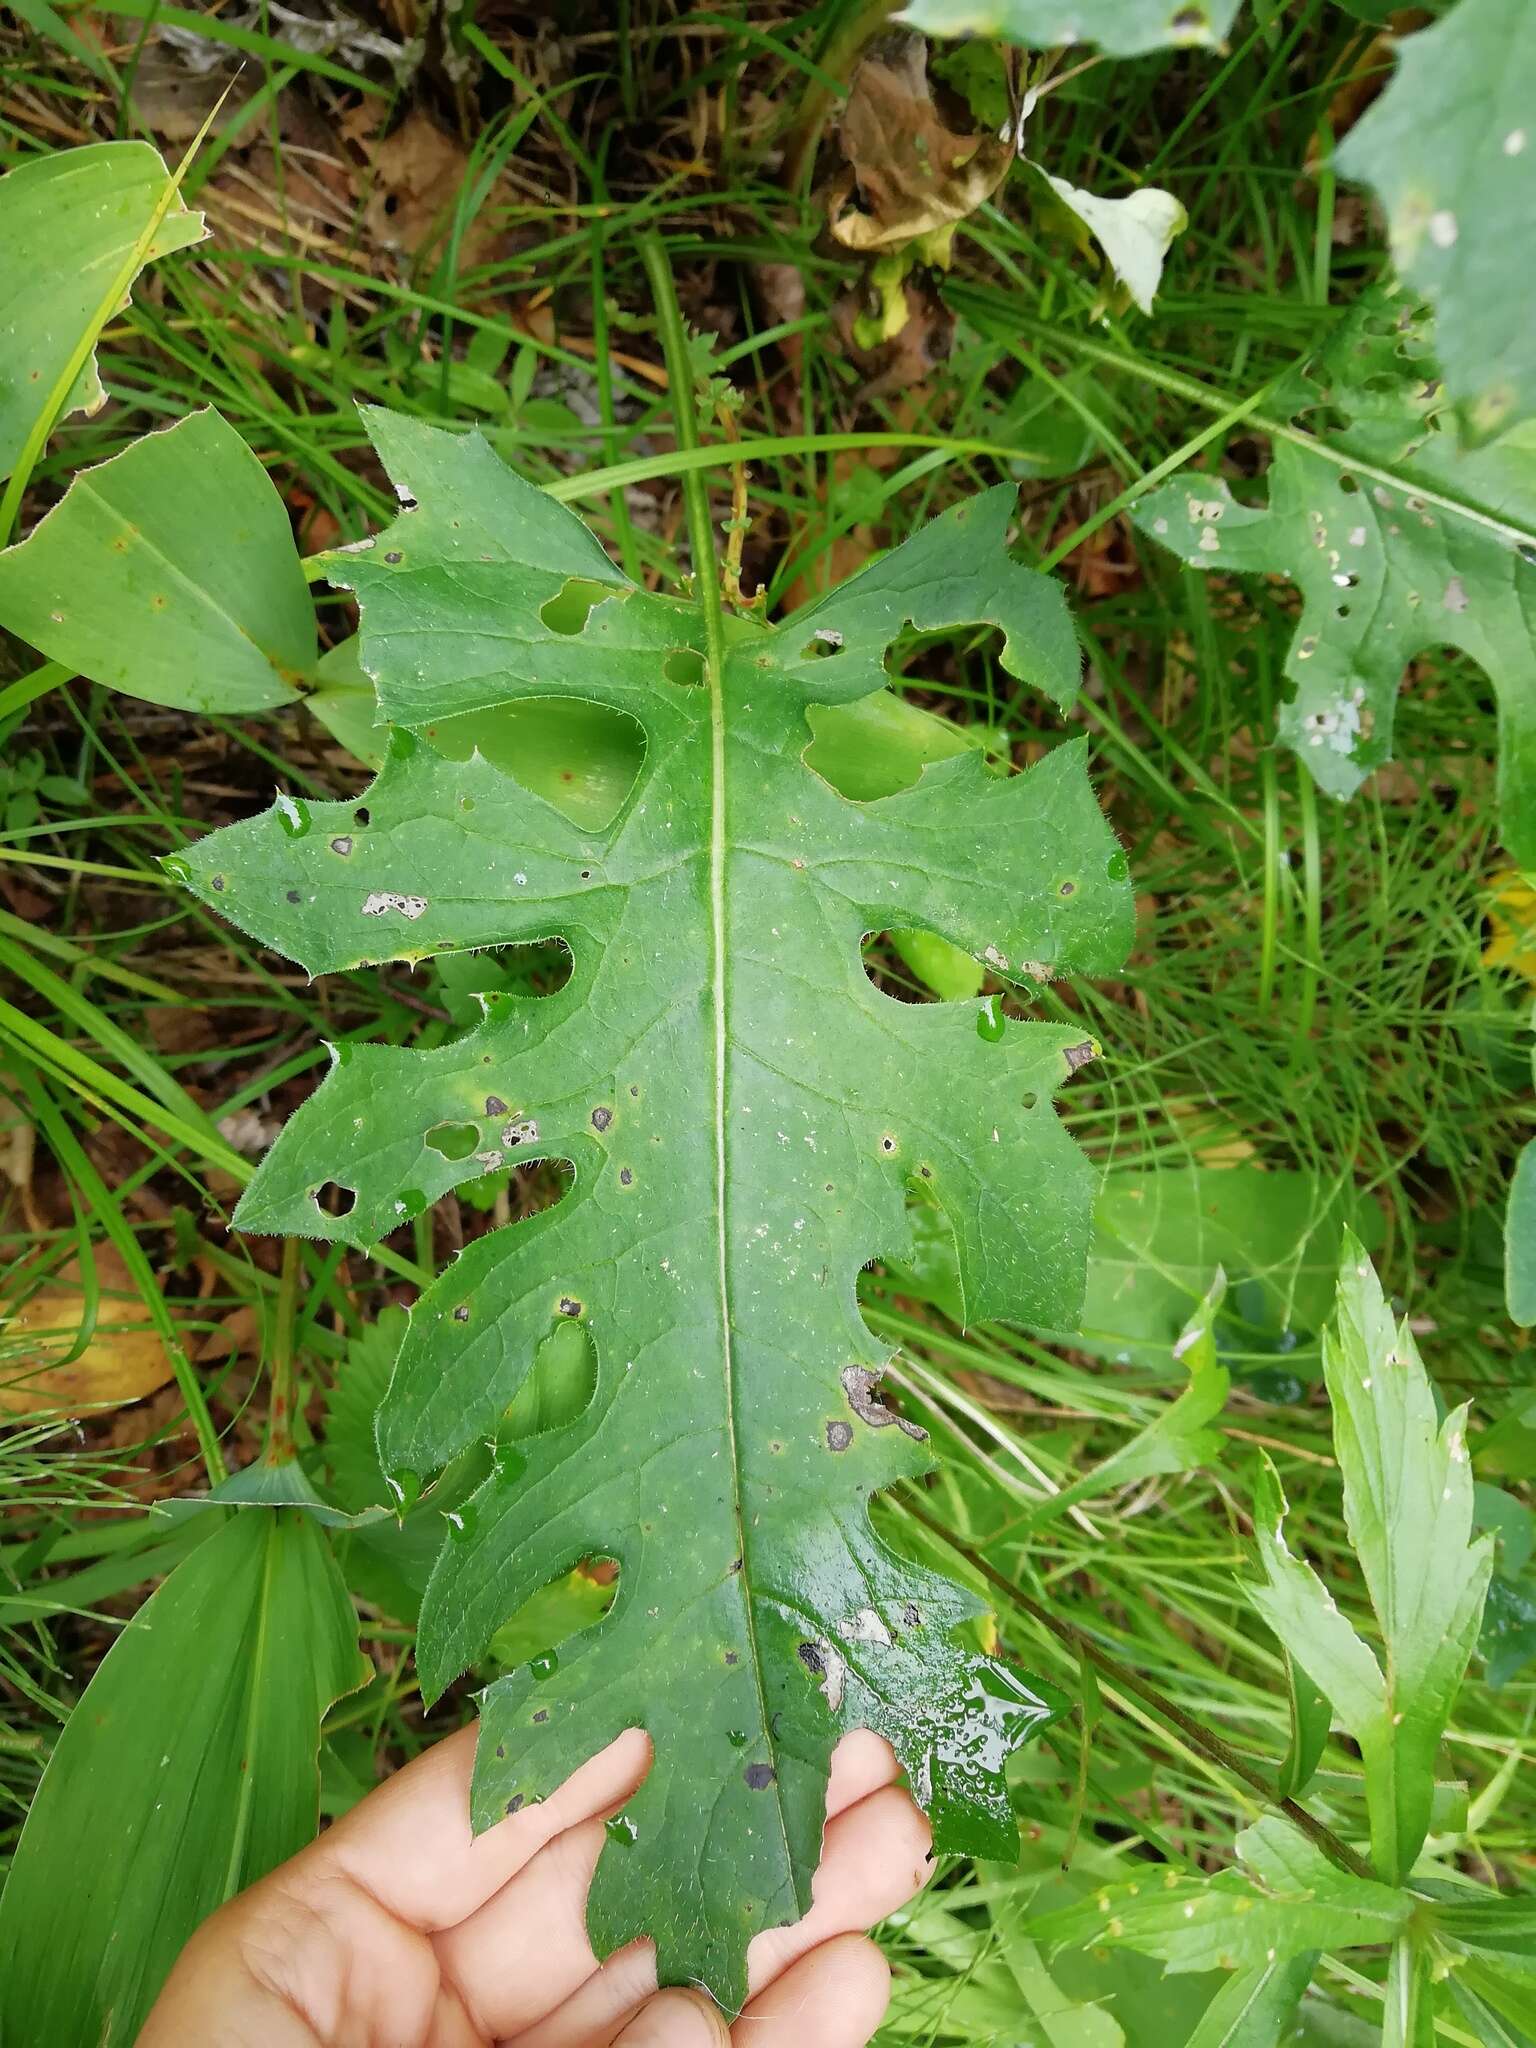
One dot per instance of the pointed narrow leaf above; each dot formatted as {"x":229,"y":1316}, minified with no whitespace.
{"x":1305,"y":1616}
{"x":1460,"y":213}
{"x":1229,"y":1921}
{"x":68,"y":224}
{"x":1408,"y":1509}
{"x":194,"y":595}
{"x":742,"y":1112}
{"x":1181,"y":1437}
{"x":1399,"y":541}
{"x":189,"y":1768}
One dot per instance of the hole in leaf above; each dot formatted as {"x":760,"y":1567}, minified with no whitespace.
{"x":684,"y":666}
{"x":572,"y":604}
{"x":581,"y":758}
{"x":334,"y":1199}
{"x":920,"y":967}
{"x":360,"y":815}
{"x":877,"y":745}
{"x":560,"y":1385}
{"x":570,"y":1604}
{"x":820,"y":645}
{"x":453,"y":1141}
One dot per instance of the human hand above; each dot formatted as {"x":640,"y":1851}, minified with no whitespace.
{"x":397,"y":1930}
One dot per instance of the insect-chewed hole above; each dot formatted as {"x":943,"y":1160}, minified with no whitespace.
{"x":572,"y":604}
{"x":334,"y":1199}
{"x":920,"y":967}
{"x":879,"y":744}
{"x":582,"y":758}
{"x":575,"y":1601}
{"x":453,"y":1141}
{"x":822,"y":644}
{"x":560,"y":1383}
{"x":685,"y":666}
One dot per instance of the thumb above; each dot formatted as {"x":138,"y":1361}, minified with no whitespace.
{"x":676,"y":2019}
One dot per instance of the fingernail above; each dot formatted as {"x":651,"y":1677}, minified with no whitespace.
{"x":676,"y":2019}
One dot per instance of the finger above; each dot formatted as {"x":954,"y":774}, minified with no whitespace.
{"x":833,"y":1998}
{"x":410,"y":1844}
{"x":675,"y":2019}
{"x":861,"y":1763}
{"x":874,"y":1858}
{"x":524,"y":1957}
{"x":526,"y":1953}
{"x":609,"y":1999}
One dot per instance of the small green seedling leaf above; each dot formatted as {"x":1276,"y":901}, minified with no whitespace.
{"x":1121,"y":28}
{"x":92,"y":206}
{"x":1181,"y":1437}
{"x":1399,"y":541}
{"x":741,"y":1112}
{"x":1460,"y":213}
{"x":188,"y":1770}
{"x":194,"y":595}
{"x":1408,"y":1508}
{"x":1293,"y":1902}
{"x":1135,"y":232}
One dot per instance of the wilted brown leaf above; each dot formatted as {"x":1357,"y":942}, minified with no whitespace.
{"x":418,"y":172}
{"x":124,"y":1360}
{"x":913,"y":174}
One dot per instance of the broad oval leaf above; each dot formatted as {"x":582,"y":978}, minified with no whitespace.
{"x":1399,"y":541}
{"x":68,"y":224}
{"x":194,"y":595}
{"x":741,"y":1112}
{"x":188,"y":1770}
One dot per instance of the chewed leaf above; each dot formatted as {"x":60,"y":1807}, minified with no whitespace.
{"x":740,"y":1113}
{"x":95,"y":203}
{"x":1399,"y":542}
{"x":1459,"y":213}
{"x":1121,"y":28}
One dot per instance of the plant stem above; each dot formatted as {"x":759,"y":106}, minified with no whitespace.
{"x":279,"y":1448}
{"x":1199,"y":1738}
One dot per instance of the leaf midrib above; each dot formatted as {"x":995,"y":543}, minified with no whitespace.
{"x":707,"y":592}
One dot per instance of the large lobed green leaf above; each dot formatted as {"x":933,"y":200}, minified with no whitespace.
{"x":1121,"y":28}
{"x":741,"y":1112}
{"x":1408,"y":1508}
{"x":1399,"y":540}
{"x":1450,"y":148}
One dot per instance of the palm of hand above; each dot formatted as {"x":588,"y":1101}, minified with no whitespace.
{"x":396,"y":1930}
